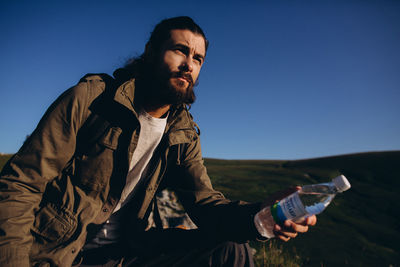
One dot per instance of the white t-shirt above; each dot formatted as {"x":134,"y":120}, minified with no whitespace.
{"x":151,"y":132}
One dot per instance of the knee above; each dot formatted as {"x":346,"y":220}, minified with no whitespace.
{"x":232,"y":254}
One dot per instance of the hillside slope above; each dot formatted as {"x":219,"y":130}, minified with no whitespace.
{"x":359,"y":228}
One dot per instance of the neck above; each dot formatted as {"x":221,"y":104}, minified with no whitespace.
{"x":150,"y":99}
{"x":157,"y":111}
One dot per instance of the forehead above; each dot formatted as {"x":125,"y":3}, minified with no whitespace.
{"x":188,"y":38}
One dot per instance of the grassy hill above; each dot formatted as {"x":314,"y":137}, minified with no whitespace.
{"x":3,"y":159}
{"x":361,"y":226}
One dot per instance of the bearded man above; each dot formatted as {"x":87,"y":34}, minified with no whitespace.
{"x":81,"y":190}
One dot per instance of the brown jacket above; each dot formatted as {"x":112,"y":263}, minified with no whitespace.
{"x":59,"y":183}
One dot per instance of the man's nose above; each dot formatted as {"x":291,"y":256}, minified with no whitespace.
{"x":188,"y":64}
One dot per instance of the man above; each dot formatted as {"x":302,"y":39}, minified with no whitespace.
{"x":81,"y":189}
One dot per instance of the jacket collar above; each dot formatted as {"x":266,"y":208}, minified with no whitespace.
{"x":124,"y":95}
{"x":180,"y":126}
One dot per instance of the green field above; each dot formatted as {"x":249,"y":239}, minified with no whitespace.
{"x":359,"y":228}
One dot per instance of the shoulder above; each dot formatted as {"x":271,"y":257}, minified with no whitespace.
{"x":184,"y":119}
{"x":92,"y":85}
{"x":89,"y":87}
{"x":193,"y":124}
{"x":99,"y":79}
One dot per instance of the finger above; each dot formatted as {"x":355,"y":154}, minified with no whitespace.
{"x":286,"y":227}
{"x":312,"y":220}
{"x":284,"y":232}
{"x":307,"y":221}
{"x":283,"y":238}
{"x":288,"y":234}
{"x":296,"y":227}
{"x":280,"y":235}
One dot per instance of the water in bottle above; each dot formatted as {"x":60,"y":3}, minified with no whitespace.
{"x":309,"y":200}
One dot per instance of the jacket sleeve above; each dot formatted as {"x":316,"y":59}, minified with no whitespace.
{"x":223,"y":219}
{"x":23,"y":179}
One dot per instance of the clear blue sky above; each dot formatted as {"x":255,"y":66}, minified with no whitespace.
{"x":282,"y":79}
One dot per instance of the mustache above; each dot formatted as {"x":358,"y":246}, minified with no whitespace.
{"x":183,"y":75}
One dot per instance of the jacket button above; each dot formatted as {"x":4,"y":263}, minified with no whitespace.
{"x":73,"y":250}
{"x":105,"y":210}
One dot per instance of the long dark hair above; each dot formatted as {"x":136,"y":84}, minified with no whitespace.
{"x":137,"y":66}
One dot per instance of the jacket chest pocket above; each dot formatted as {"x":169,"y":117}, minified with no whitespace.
{"x":94,"y":167}
{"x":53,"y":224}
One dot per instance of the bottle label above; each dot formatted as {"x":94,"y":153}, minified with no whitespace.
{"x":288,"y":208}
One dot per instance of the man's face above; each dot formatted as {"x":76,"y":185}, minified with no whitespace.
{"x":181,"y":58}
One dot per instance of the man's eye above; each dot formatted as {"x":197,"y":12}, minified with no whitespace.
{"x":179,"y":51}
{"x":199,"y":60}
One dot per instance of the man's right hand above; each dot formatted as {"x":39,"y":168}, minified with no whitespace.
{"x":290,"y":229}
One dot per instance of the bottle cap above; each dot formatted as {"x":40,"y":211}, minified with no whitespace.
{"x":341,"y":183}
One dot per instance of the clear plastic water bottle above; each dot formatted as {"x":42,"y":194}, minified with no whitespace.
{"x":309,"y":200}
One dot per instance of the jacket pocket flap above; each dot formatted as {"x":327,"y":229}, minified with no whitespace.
{"x":54,"y":224}
{"x":110,"y":138}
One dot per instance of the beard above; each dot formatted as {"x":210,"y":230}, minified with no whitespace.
{"x":176,"y":91}
{"x":161,"y":86}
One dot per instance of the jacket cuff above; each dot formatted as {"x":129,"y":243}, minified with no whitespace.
{"x":248,"y":230}
{"x":14,"y":257}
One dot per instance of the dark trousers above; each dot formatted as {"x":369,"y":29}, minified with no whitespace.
{"x":222,"y":254}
